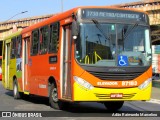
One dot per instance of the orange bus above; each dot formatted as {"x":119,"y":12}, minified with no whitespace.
{"x":98,"y":54}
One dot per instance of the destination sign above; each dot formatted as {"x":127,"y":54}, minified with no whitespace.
{"x":112,"y":14}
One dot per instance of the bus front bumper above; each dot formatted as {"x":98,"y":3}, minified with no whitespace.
{"x":110,"y":94}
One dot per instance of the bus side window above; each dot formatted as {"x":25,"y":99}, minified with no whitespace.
{"x":35,"y":42}
{"x":44,"y":36}
{"x":54,"y":38}
{"x":19,"y":46}
{"x":13,"y":48}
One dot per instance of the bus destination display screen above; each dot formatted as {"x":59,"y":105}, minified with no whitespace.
{"x":112,"y":14}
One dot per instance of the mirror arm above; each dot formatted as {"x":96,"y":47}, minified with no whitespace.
{"x":75,"y":28}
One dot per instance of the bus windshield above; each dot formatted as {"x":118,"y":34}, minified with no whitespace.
{"x":110,"y":44}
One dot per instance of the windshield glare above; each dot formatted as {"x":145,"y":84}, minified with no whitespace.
{"x":113,"y":45}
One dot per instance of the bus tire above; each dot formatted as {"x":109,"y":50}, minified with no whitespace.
{"x":53,"y":98}
{"x":16,"y":93}
{"x":113,"y":105}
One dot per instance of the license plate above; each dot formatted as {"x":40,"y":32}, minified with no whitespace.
{"x":116,"y":95}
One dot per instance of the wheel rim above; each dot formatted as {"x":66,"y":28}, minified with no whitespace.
{"x":15,"y":89}
{"x":54,"y":95}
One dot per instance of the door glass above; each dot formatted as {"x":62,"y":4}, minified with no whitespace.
{"x":67,"y":63}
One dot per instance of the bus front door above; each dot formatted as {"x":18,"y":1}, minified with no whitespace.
{"x":66,"y":71}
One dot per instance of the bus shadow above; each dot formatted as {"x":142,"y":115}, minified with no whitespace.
{"x":9,"y":93}
{"x":31,"y":98}
{"x":93,"y":107}
{"x":75,"y":108}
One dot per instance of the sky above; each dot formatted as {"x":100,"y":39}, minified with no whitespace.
{"x":10,"y":9}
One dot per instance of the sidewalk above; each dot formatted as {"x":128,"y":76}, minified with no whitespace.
{"x":155,"y":89}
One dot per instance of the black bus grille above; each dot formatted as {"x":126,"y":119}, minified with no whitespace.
{"x":115,"y":76}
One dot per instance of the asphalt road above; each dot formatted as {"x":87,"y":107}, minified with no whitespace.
{"x":75,"y":111}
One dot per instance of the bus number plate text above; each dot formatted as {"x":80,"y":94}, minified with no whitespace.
{"x":129,"y":83}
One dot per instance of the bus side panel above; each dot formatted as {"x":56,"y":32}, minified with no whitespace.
{"x":41,"y":71}
{"x":38,"y":70}
{"x":19,"y":72}
{"x":33,"y":80}
{"x":3,"y":65}
{"x":12,"y":69}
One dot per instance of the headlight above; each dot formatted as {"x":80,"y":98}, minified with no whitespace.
{"x":83,"y":83}
{"x":145,"y":84}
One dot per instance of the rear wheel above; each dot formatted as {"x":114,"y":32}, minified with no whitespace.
{"x":16,"y":93}
{"x":53,"y":99}
{"x":113,"y":105}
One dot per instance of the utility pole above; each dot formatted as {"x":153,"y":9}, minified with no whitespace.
{"x":61,"y":5}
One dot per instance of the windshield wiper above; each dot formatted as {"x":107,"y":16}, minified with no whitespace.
{"x":100,"y":28}
{"x":130,"y":30}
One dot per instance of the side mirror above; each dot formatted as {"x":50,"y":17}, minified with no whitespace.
{"x":75,"y":30}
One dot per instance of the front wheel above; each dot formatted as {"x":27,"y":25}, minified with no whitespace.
{"x":113,"y":105}
{"x":53,"y":99}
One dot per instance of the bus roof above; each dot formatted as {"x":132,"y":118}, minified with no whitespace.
{"x":13,"y":35}
{"x":68,"y":13}
{"x":55,"y":18}
{"x":114,"y":7}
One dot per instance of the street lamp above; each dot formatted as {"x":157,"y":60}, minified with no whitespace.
{"x":16,"y":15}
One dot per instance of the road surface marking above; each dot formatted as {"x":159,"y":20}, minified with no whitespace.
{"x":154,"y":101}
